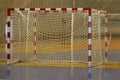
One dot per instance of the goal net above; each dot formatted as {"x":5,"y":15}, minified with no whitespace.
{"x":56,"y":36}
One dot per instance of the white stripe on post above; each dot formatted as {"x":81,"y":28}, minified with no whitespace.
{"x":80,"y":9}
{"x":58,"y":9}
{"x":89,"y":18}
{"x":48,"y":9}
{"x":27,"y":9}
{"x":17,"y":9}
{"x":89,"y":30}
{"x":69,"y":9}
{"x":37,"y":9}
{"x":89,"y":52}
{"x":8,"y":18}
{"x":89,"y":41}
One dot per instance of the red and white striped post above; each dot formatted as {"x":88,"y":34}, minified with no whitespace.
{"x":106,"y":37}
{"x":8,"y":35}
{"x":89,"y":36}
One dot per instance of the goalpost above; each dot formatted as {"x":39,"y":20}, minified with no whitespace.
{"x":103,"y":22}
{"x":56,"y":35}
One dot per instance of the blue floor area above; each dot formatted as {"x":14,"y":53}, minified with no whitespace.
{"x":3,"y":72}
{"x":62,"y":73}
{"x":58,"y":73}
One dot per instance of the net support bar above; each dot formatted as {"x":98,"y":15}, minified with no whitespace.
{"x":34,"y":17}
{"x":106,"y":33}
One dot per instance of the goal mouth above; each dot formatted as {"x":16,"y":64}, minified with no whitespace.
{"x":56,"y":36}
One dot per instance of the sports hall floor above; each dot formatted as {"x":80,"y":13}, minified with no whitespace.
{"x":108,"y":71}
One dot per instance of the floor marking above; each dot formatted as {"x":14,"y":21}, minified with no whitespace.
{"x":105,"y":65}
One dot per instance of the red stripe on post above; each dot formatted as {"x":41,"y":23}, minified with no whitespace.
{"x":8,"y":24}
{"x":90,"y":24}
{"x":35,"y":24}
{"x":89,"y":58}
{"x":32,"y":9}
{"x":8,"y":56}
{"x":8,"y":45}
{"x":89,"y":47}
{"x":105,"y":44}
{"x":34,"y":33}
{"x":34,"y":43}
{"x":9,"y":11}
{"x":53,"y":9}
{"x":22,"y":9}
{"x":106,"y":54}
{"x":64,"y":9}
{"x":89,"y":35}
{"x":89,"y":11}
{"x":74,"y":9}
{"x":106,"y":34}
{"x":42,"y":8}
{"x":8,"y":34}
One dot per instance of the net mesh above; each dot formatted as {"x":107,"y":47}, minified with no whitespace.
{"x":55,"y":37}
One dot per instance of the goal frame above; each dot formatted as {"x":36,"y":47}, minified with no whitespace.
{"x":106,"y":33}
{"x":89,"y":24}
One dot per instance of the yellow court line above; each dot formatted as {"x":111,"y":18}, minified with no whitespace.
{"x":111,"y":65}
{"x":3,"y":62}
{"x":82,"y":65}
